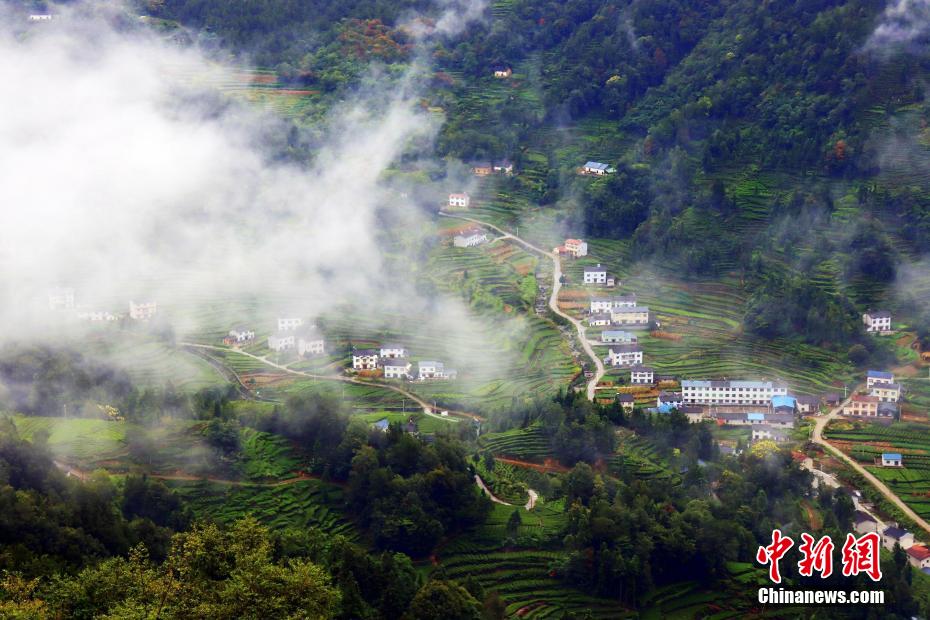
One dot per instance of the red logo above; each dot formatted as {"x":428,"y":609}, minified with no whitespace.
{"x":859,"y":555}
{"x":773,"y":553}
{"x":817,"y":557}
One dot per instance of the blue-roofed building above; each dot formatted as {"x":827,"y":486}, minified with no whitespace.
{"x":892,"y":459}
{"x":878,"y":377}
{"x":788,"y":402}
{"x":382,"y":425}
{"x":755,"y":417}
{"x":665,"y":408}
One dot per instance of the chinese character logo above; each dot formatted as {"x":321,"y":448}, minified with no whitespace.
{"x":859,"y":555}
{"x":773,"y":553}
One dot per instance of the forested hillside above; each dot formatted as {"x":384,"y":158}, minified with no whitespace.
{"x":777,"y":139}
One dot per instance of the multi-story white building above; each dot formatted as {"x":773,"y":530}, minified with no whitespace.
{"x":238,"y":336}
{"x":288,"y":323}
{"x":634,"y":316}
{"x":282,"y":341}
{"x":576,"y":247}
{"x":606,"y":304}
{"x":886,"y":392}
{"x":310,"y":341}
{"x":428,"y":369}
{"x":365,"y":359}
{"x":460,"y":200}
{"x":861,"y":405}
{"x":642,"y":375}
{"x":878,"y":377}
{"x":61,"y":299}
{"x":618,"y":337}
{"x":595,"y":275}
{"x":142,"y":311}
{"x":396,"y":368}
{"x":393,"y":351}
{"x":469,"y":238}
{"x":730,"y":392}
{"x":599,"y":320}
{"x":624,"y":355}
{"x":877,"y":321}
{"x":241,"y":334}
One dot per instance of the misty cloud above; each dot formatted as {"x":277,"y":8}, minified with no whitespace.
{"x":117,"y":171}
{"x":904,"y":24}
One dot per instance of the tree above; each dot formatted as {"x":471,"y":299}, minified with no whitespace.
{"x":443,"y":600}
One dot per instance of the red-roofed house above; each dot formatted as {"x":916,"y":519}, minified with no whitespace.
{"x":919,"y":556}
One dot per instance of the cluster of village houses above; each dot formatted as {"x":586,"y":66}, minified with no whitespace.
{"x":918,"y":554}
{"x":293,"y":333}
{"x":462,"y":200}
{"x":63,"y":299}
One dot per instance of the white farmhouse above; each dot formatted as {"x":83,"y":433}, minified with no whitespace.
{"x":877,"y":321}
{"x":41,"y":17}
{"x":878,"y":377}
{"x":642,"y":375}
{"x":365,"y":359}
{"x":239,"y":335}
{"x":596,"y":168}
{"x":288,"y":323}
{"x":282,"y":341}
{"x":61,"y":299}
{"x":142,"y":311}
{"x":606,"y":304}
{"x":310,"y":341}
{"x":635,"y":316}
{"x":393,"y":351}
{"x":625,"y":355}
{"x":896,"y":535}
{"x":762,"y":432}
{"x":595,"y":275}
{"x":428,"y":369}
{"x":396,"y":368}
{"x":886,"y":392}
{"x":618,"y":337}
{"x":469,"y":238}
{"x":599,"y":320}
{"x":460,"y":200}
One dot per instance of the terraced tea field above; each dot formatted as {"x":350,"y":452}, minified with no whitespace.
{"x":300,"y":504}
{"x":521,"y":443}
{"x":523,"y":574}
{"x":866,"y":442}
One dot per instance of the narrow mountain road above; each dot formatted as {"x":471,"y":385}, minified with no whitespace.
{"x":532,"y":495}
{"x":426,"y":406}
{"x":817,"y":437}
{"x":553,"y":298}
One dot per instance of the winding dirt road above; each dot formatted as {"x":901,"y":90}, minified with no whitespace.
{"x":532,"y":495}
{"x":427,"y":407}
{"x":553,"y":298}
{"x":817,"y":437}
